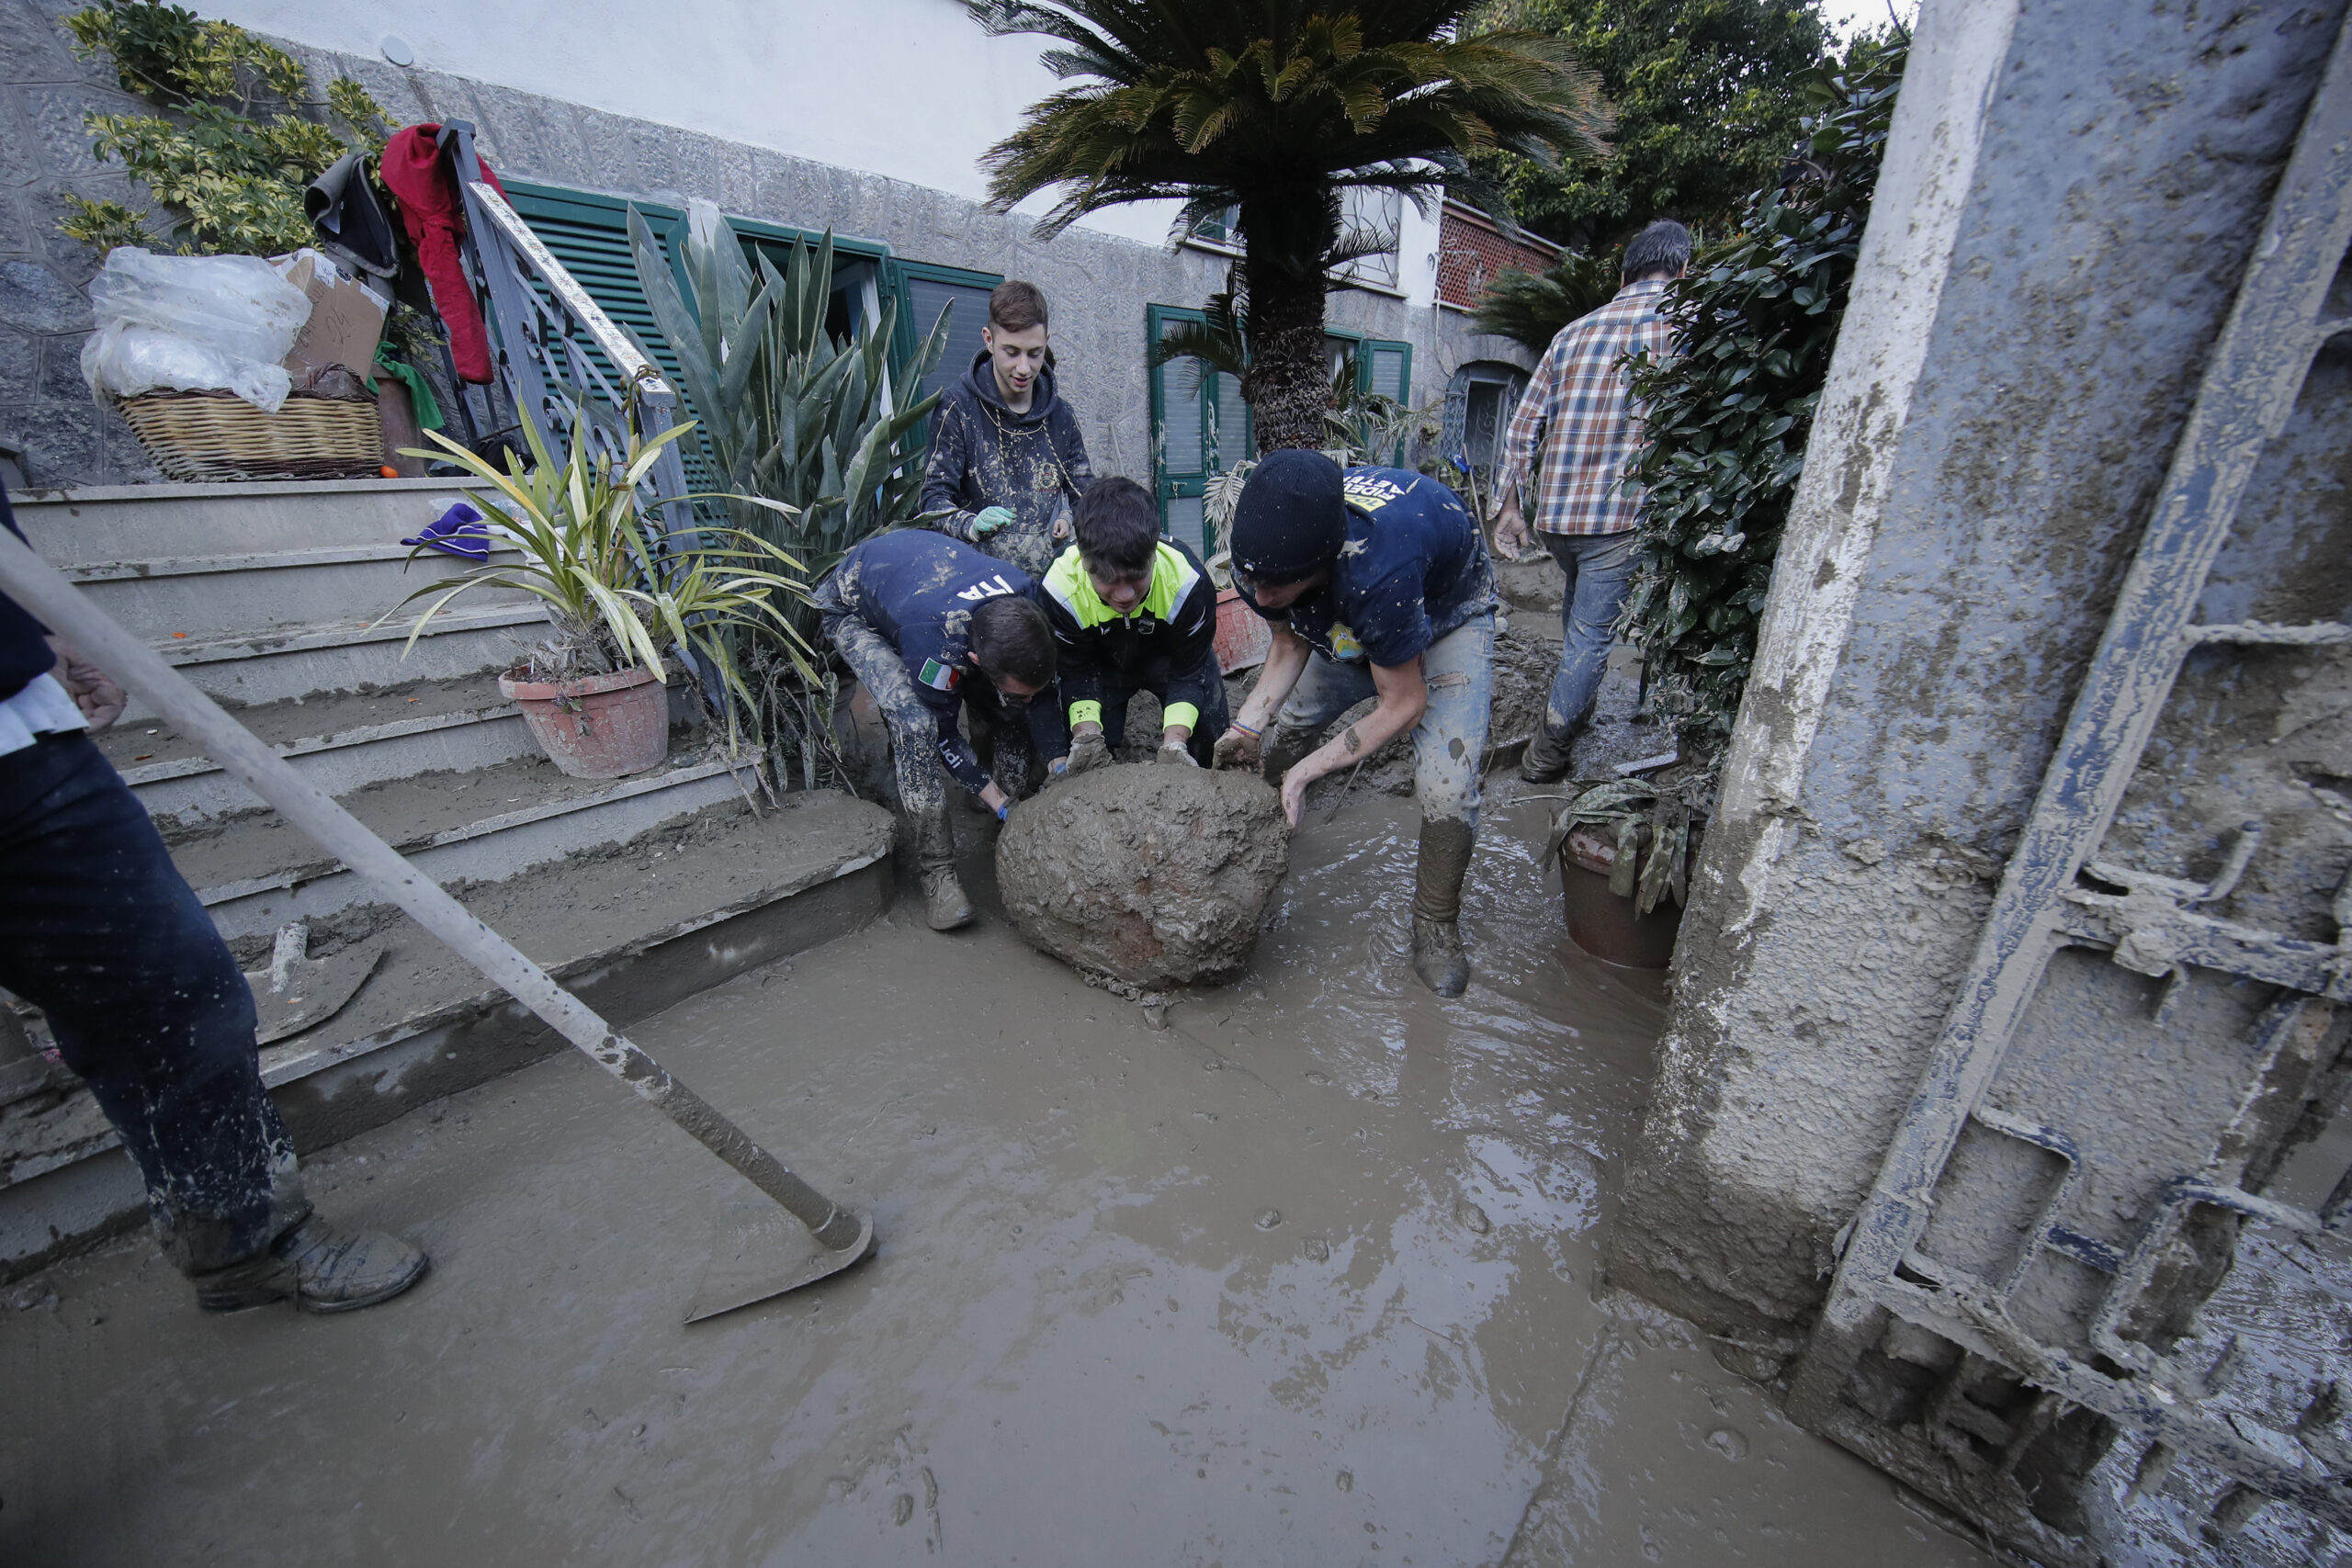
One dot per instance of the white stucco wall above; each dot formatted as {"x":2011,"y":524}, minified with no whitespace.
{"x":908,"y":89}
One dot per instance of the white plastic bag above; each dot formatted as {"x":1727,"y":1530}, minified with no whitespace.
{"x":192,"y":323}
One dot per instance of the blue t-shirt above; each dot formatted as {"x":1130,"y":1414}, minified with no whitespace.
{"x":1414,"y":568}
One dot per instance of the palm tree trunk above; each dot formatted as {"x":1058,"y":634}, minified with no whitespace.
{"x":1289,"y":386}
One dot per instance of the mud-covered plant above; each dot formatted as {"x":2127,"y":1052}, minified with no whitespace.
{"x":615,"y":589}
{"x":239,"y":136}
{"x":1728,"y":419}
{"x":1651,"y":821}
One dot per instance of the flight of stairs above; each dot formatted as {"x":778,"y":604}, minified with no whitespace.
{"x":636,"y":891}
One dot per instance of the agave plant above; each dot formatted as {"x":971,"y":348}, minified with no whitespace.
{"x":617,"y":592}
{"x":791,"y":414}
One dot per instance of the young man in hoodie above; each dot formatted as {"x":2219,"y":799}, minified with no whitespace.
{"x":1007,"y":463}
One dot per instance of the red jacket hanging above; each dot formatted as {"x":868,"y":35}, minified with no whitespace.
{"x":433,"y":213}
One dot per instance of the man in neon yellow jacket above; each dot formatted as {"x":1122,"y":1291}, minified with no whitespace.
{"x":1130,"y":612}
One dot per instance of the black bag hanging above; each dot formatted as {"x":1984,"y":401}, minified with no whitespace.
{"x":351,"y":223}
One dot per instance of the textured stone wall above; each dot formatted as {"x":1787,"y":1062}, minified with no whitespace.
{"x":1099,"y":284}
{"x":2057,"y":241}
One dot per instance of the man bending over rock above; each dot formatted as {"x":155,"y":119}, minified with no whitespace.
{"x":932,"y":626}
{"x":1131,"y":612}
{"x":1376,"y":583}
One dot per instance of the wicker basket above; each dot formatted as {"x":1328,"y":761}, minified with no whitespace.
{"x":218,"y":435}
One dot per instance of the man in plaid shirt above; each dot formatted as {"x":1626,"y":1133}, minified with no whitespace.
{"x":1576,"y":412}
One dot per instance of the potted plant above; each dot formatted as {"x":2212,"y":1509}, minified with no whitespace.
{"x":616,"y":592}
{"x":1623,"y":846}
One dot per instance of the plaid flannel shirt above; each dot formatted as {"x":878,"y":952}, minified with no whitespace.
{"x":1577,"y":410}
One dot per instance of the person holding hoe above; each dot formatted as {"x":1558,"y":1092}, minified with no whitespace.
{"x":1376,"y":583}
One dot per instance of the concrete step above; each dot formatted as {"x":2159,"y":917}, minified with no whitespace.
{"x":343,"y":741}
{"x":257,"y":873}
{"x":207,"y":597}
{"x":102,"y":525}
{"x":354,"y":655}
{"x":631,"y":930}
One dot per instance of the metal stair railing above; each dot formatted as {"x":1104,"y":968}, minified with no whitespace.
{"x":552,"y":344}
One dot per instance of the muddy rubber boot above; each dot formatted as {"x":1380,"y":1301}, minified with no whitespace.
{"x":1546,"y":758}
{"x":1283,"y":747}
{"x":945,"y":905}
{"x":320,"y":1266}
{"x":1438,"y":956}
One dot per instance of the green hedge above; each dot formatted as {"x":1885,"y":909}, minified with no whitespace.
{"x":1729,"y":418}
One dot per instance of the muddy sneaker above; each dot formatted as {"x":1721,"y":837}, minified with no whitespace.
{"x":1546,"y":759}
{"x":322,"y":1268}
{"x":944,"y":904}
{"x":1438,"y":957}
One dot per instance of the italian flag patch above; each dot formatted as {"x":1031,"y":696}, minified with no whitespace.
{"x":940,"y":677}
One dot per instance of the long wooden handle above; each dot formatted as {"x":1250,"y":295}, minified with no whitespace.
{"x":44,"y":590}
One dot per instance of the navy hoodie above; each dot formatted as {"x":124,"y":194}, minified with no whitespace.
{"x":983,"y":454}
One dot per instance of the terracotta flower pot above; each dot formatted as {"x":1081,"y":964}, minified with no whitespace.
{"x":600,"y":726}
{"x":1604,"y":924}
{"x":1243,"y":639}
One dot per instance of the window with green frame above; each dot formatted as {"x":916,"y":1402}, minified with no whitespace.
{"x":1383,"y":368}
{"x":1200,"y":426}
{"x":589,"y":234}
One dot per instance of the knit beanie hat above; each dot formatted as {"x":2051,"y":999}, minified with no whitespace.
{"x":1292,"y":518}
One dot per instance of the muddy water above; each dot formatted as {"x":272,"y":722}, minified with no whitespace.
{"x":1306,"y":1277}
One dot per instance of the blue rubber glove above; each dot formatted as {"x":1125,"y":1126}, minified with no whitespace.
{"x":990,"y":519}
{"x":1002,"y":812}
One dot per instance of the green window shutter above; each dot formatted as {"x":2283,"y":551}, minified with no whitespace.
{"x":1384,"y":367}
{"x":922,"y":289}
{"x":1200,"y":425}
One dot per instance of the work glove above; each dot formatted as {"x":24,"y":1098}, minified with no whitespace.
{"x":988,"y":519}
{"x":1176,"y":754}
{"x":1088,"y":751}
{"x":1236,"y":748}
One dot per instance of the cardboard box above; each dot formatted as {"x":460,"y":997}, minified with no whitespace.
{"x":346,"y":321}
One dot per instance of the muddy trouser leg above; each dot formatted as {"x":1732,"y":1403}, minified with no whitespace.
{"x":1600,"y":568}
{"x":1449,"y":751}
{"x":1326,"y":688}
{"x":101,"y":933}
{"x":914,"y":733}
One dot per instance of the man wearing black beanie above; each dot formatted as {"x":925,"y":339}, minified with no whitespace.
{"x":1375,"y":582}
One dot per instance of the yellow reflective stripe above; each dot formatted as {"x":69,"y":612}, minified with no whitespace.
{"x":1088,"y":712}
{"x":1184,"y":714}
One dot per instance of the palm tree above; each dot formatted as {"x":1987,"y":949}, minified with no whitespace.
{"x":1278,"y":110}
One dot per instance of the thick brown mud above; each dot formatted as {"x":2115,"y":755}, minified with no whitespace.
{"x":1305,"y":1276}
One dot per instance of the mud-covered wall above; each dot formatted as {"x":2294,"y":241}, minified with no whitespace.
{"x":2071,"y":194}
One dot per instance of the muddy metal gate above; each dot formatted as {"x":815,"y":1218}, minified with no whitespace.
{"x":2026,"y":1294}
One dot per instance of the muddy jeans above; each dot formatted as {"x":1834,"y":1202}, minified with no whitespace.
{"x":1450,"y":743}
{"x":1600,"y":569}
{"x":100,"y":931}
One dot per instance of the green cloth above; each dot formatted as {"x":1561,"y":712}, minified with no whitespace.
{"x":421,"y":399}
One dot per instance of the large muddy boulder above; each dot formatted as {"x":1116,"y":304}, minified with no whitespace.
{"x":1151,"y":875}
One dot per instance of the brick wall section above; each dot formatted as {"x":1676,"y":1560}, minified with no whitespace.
{"x":47,"y":414}
{"x":1471,"y":250}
